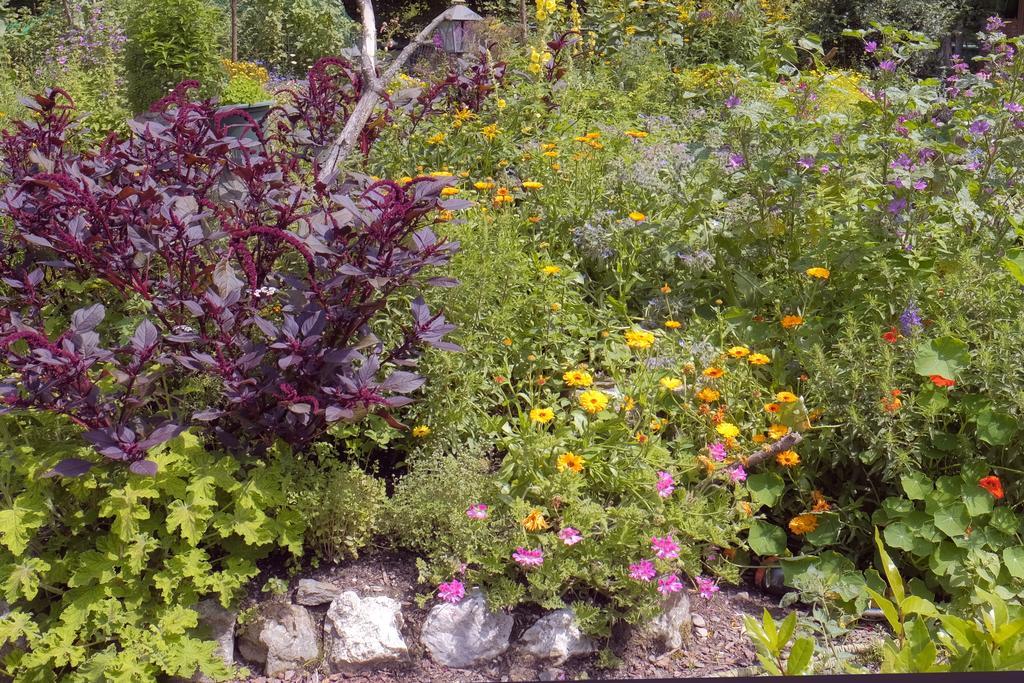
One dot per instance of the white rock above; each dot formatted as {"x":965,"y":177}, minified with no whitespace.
{"x":465,"y":634}
{"x":363,"y":631}
{"x":698,"y":621}
{"x":557,"y":637}
{"x":701,"y":632}
{"x":311,"y":592}
{"x":283,"y":637}
{"x":673,"y":625}
{"x":216,"y":623}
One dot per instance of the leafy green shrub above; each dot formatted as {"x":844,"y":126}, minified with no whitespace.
{"x":289,"y":36}
{"x":244,"y":90}
{"x":170,"y":41}
{"x":339,"y":504}
{"x":102,"y":572}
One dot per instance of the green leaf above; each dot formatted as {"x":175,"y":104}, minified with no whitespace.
{"x":1003,"y":520}
{"x":17,"y":524}
{"x":888,"y":609}
{"x":977,"y":501}
{"x":892,"y":574}
{"x":899,"y":535}
{"x":1014,"y":263}
{"x":1013,"y":560}
{"x":800,"y":656}
{"x":766,"y":539}
{"x":916,"y":485}
{"x":189,"y":518}
{"x":786,"y":630}
{"x":913,"y":604}
{"x":953,"y":520}
{"x":996,"y":428}
{"x":827,"y":531}
{"x":946,"y":356}
{"x":765,"y":488}
{"x":23,"y":578}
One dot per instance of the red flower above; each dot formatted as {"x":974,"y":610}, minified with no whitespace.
{"x":498,"y":379}
{"x":992,"y":485}
{"x":892,"y":336}
{"x":941,"y":382}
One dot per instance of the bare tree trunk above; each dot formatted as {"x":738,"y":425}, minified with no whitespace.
{"x":234,"y":30}
{"x":524,"y":30}
{"x":66,"y":4}
{"x":373,"y":87}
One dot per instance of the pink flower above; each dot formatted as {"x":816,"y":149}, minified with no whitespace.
{"x":452,"y":592}
{"x":669,"y":584}
{"x":717,"y":451}
{"x":707,"y":587}
{"x":666,"y":484}
{"x":528,"y":558}
{"x":642,"y":570}
{"x":570,"y":536}
{"x":477,"y":511}
{"x":738,"y":473}
{"x":665,"y":548}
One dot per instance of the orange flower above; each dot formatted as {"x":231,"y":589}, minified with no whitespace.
{"x":788,"y":459}
{"x":791,"y":321}
{"x":758,"y":359}
{"x":772,"y":407}
{"x":498,"y":379}
{"x":992,"y":484}
{"x":713,"y":373}
{"x":803,"y":524}
{"x":673,"y":324}
{"x":941,"y":382}
{"x":665,"y":289}
{"x":707,"y":394}
{"x":641,"y":438}
{"x":892,"y":336}
{"x":786,"y":397}
{"x":820,"y":504}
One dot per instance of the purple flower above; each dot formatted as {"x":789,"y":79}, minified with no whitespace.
{"x":717,"y":451}
{"x":732,"y":102}
{"x":707,"y":587}
{"x":993,"y":24}
{"x":642,"y":570}
{"x":528,"y":558}
{"x":897,"y":206}
{"x":452,"y":592}
{"x":910,"y":319}
{"x":887,"y":65}
{"x":665,"y":548}
{"x":824,"y":168}
{"x":738,"y":473}
{"x":735,"y":160}
{"x":870,"y":46}
{"x":1014,"y":107}
{"x":570,"y":536}
{"x":669,"y":584}
{"x":805,"y":163}
{"x":980,"y":127}
{"x":921,"y":184}
{"x":477,"y":511}
{"x":665,"y":485}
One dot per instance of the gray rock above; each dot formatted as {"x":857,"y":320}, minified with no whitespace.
{"x":216,"y":623}
{"x":672,"y":627}
{"x":557,"y":637}
{"x":701,"y":632}
{"x":313,"y":593}
{"x":362,"y":631}
{"x":283,"y":638}
{"x":698,"y":621}
{"x":465,"y":634}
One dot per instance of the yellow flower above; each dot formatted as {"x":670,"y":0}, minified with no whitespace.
{"x":464,"y":115}
{"x":536,"y":219}
{"x":786,"y":397}
{"x":738,"y":351}
{"x":503,"y":196}
{"x":821,"y":273}
{"x":728,"y":430}
{"x":788,"y":459}
{"x":552,"y":153}
{"x":507,"y":341}
{"x":777,"y":431}
{"x":713,"y":373}
{"x":791,"y":321}
{"x":673,"y":324}
{"x":551,"y":270}
{"x":532,"y":185}
{"x":570,"y":461}
{"x":436,"y":139}
{"x":759,"y":438}
{"x":637,"y":216}
{"x":639,"y":339}
{"x":449,"y":191}
{"x":772,"y":407}
{"x":657,"y":424}
{"x":665,"y":289}
{"x":556,"y":307}
{"x":636,"y":134}
{"x":803,"y":524}
{"x":502,"y":103}
{"x":820,"y":504}
{"x":707,"y":395}
{"x":577,"y":378}
{"x":548,"y":146}
{"x":421,"y":431}
{"x":758,"y":359}
{"x":535,"y":521}
{"x":593,"y":401}
{"x":670,"y":383}
{"x":483,"y":185}
{"x":542,"y":415}
{"x":490,"y":132}
{"x":628,"y":404}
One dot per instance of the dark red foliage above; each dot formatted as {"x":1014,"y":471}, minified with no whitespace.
{"x":187,"y":258}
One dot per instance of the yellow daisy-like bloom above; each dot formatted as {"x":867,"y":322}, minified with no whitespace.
{"x":707,"y":395}
{"x":728,"y":430}
{"x":593,"y":401}
{"x":713,"y":373}
{"x":507,"y":341}
{"x":532,"y":185}
{"x":820,"y":273}
{"x":628,"y":404}
{"x":637,"y":216}
{"x":772,"y":407}
{"x":436,"y":139}
{"x":758,"y":359}
{"x":670,"y":383}
{"x":803,"y":524}
{"x":421,"y":431}
{"x":551,"y":270}
{"x":556,"y":307}
{"x":577,"y":378}
{"x":777,"y":431}
{"x":786,"y":397}
{"x":673,"y":324}
{"x":759,"y":438}
{"x":542,"y":415}
{"x":791,"y":321}
{"x":657,"y":424}
{"x":490,"y":132}
{"x":535,"y":521}
{"x":738,"y":351}
{"x":788,"y":459}
{"x":665,"y":289}
{"x":483,"y":185}
{"x":534,"y":219}
{"x":637,"y":134}
{"x":570,"y":461}
{"x":503,"y":196}
{"x":639,"y":339}
{"x":449,"y":191}
{"x":820,"y":504}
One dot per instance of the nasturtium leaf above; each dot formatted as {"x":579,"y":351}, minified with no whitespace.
{"x":953,"y":520}
{"x":765,"y":488}
{"x":1003,"y":519}
{"x":1013,"y":560}
{"x":977,"y":501}
{"x":947,"y":559}
{"x":766,"y":539}
{"x":916,"y":485}
{"x":946,"y":356}
{"x":899,"y":535}
{"x":996,"y":428}
{"x":827,"y":531}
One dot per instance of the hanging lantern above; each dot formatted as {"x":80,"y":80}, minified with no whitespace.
{"x":455,"y":27}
